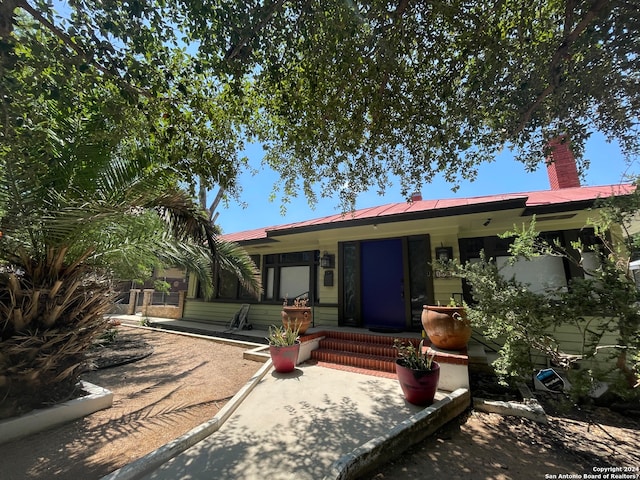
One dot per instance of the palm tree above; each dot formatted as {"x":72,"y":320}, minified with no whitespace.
{"x":70,"y":227}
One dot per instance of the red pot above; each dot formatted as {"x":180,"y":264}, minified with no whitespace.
{"x":284,"y":358}
{"x":419,"y":386}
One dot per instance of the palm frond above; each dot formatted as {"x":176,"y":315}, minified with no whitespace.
{"x":233,"y":258}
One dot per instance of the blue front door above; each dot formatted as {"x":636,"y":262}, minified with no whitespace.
{"x":382,"y":284}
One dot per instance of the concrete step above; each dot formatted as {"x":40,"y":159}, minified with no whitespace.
{"x":368,"y":348}
{"x":353,"y":359}
{"x":368,"y":338}
{"x":359,"y":350}
{"x":479,"y":359}
{"x":374,"y":354}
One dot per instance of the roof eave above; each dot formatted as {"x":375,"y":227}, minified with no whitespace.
{"x":558,"y":207}
{"x":256,"y":241}
{"x":508,"y":204}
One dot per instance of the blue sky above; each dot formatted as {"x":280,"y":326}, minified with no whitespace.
{"x":505,"y":175}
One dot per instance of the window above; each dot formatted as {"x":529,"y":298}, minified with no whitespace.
{"x":418,"y":248}
{"x":292,"y":280}
{"x":350,"y":284}
{"x":290,"y":275}
{"x":228,"y":287}
{"x":539,"y":273}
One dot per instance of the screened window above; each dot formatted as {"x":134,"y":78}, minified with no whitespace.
{"x":294,"y":281}
{"x":290,"y":275}
{"x":540,"y":273}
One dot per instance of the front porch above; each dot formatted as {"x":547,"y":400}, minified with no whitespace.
{"x":369,"y":419}
{"x":344,"y":348}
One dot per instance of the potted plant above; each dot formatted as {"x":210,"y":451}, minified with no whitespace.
{"x":447,"y":326}
{"x":417,"y":372}
{"x":284,"y":347}
{"x":297,"y":316}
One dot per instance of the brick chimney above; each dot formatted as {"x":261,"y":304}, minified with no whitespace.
{"x":561,"y":165}
{"x":416,"y":197}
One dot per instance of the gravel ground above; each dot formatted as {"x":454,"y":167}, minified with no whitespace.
{"x":183,"y":381}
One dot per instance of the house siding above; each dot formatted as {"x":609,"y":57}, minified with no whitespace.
{"x":260,"y":316}
{"x":209,"y":312}
{"x":569,"y":337}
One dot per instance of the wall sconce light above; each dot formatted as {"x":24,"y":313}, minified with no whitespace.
{"x":444,"y":254}
{"x":327,"y":260}
{"x":487,"y":222}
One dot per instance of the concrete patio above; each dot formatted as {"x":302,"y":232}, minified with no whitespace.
{"x":313,"y":423}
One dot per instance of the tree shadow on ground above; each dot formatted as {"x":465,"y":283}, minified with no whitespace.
{"x":69,"y":451}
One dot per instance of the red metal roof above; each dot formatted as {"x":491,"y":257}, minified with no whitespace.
{"x":529,"y":199}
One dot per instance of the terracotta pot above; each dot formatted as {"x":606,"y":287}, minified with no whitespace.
{"x":284,"y":358}
{"x":419,"y":386}
{"x":447,"y":327}
{"x":297,"y":317}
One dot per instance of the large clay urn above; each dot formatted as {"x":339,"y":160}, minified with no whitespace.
{"x":297,"y":318}
{"x":448,"y":328}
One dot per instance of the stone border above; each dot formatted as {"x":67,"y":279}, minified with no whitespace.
{"x":384,"y":448}
{"x":258,"y":354}
{"x":98,"y":398}
{"x":529,"y":408}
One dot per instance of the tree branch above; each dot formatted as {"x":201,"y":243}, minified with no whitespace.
{"x":232,"y":53}
{"x":560,"y":56}
{"x":7,"y":8}
{"x":401,"y":9}
{"x":7,"y":12}
{"x":397,"y":18}
{"x":66,"y":39}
